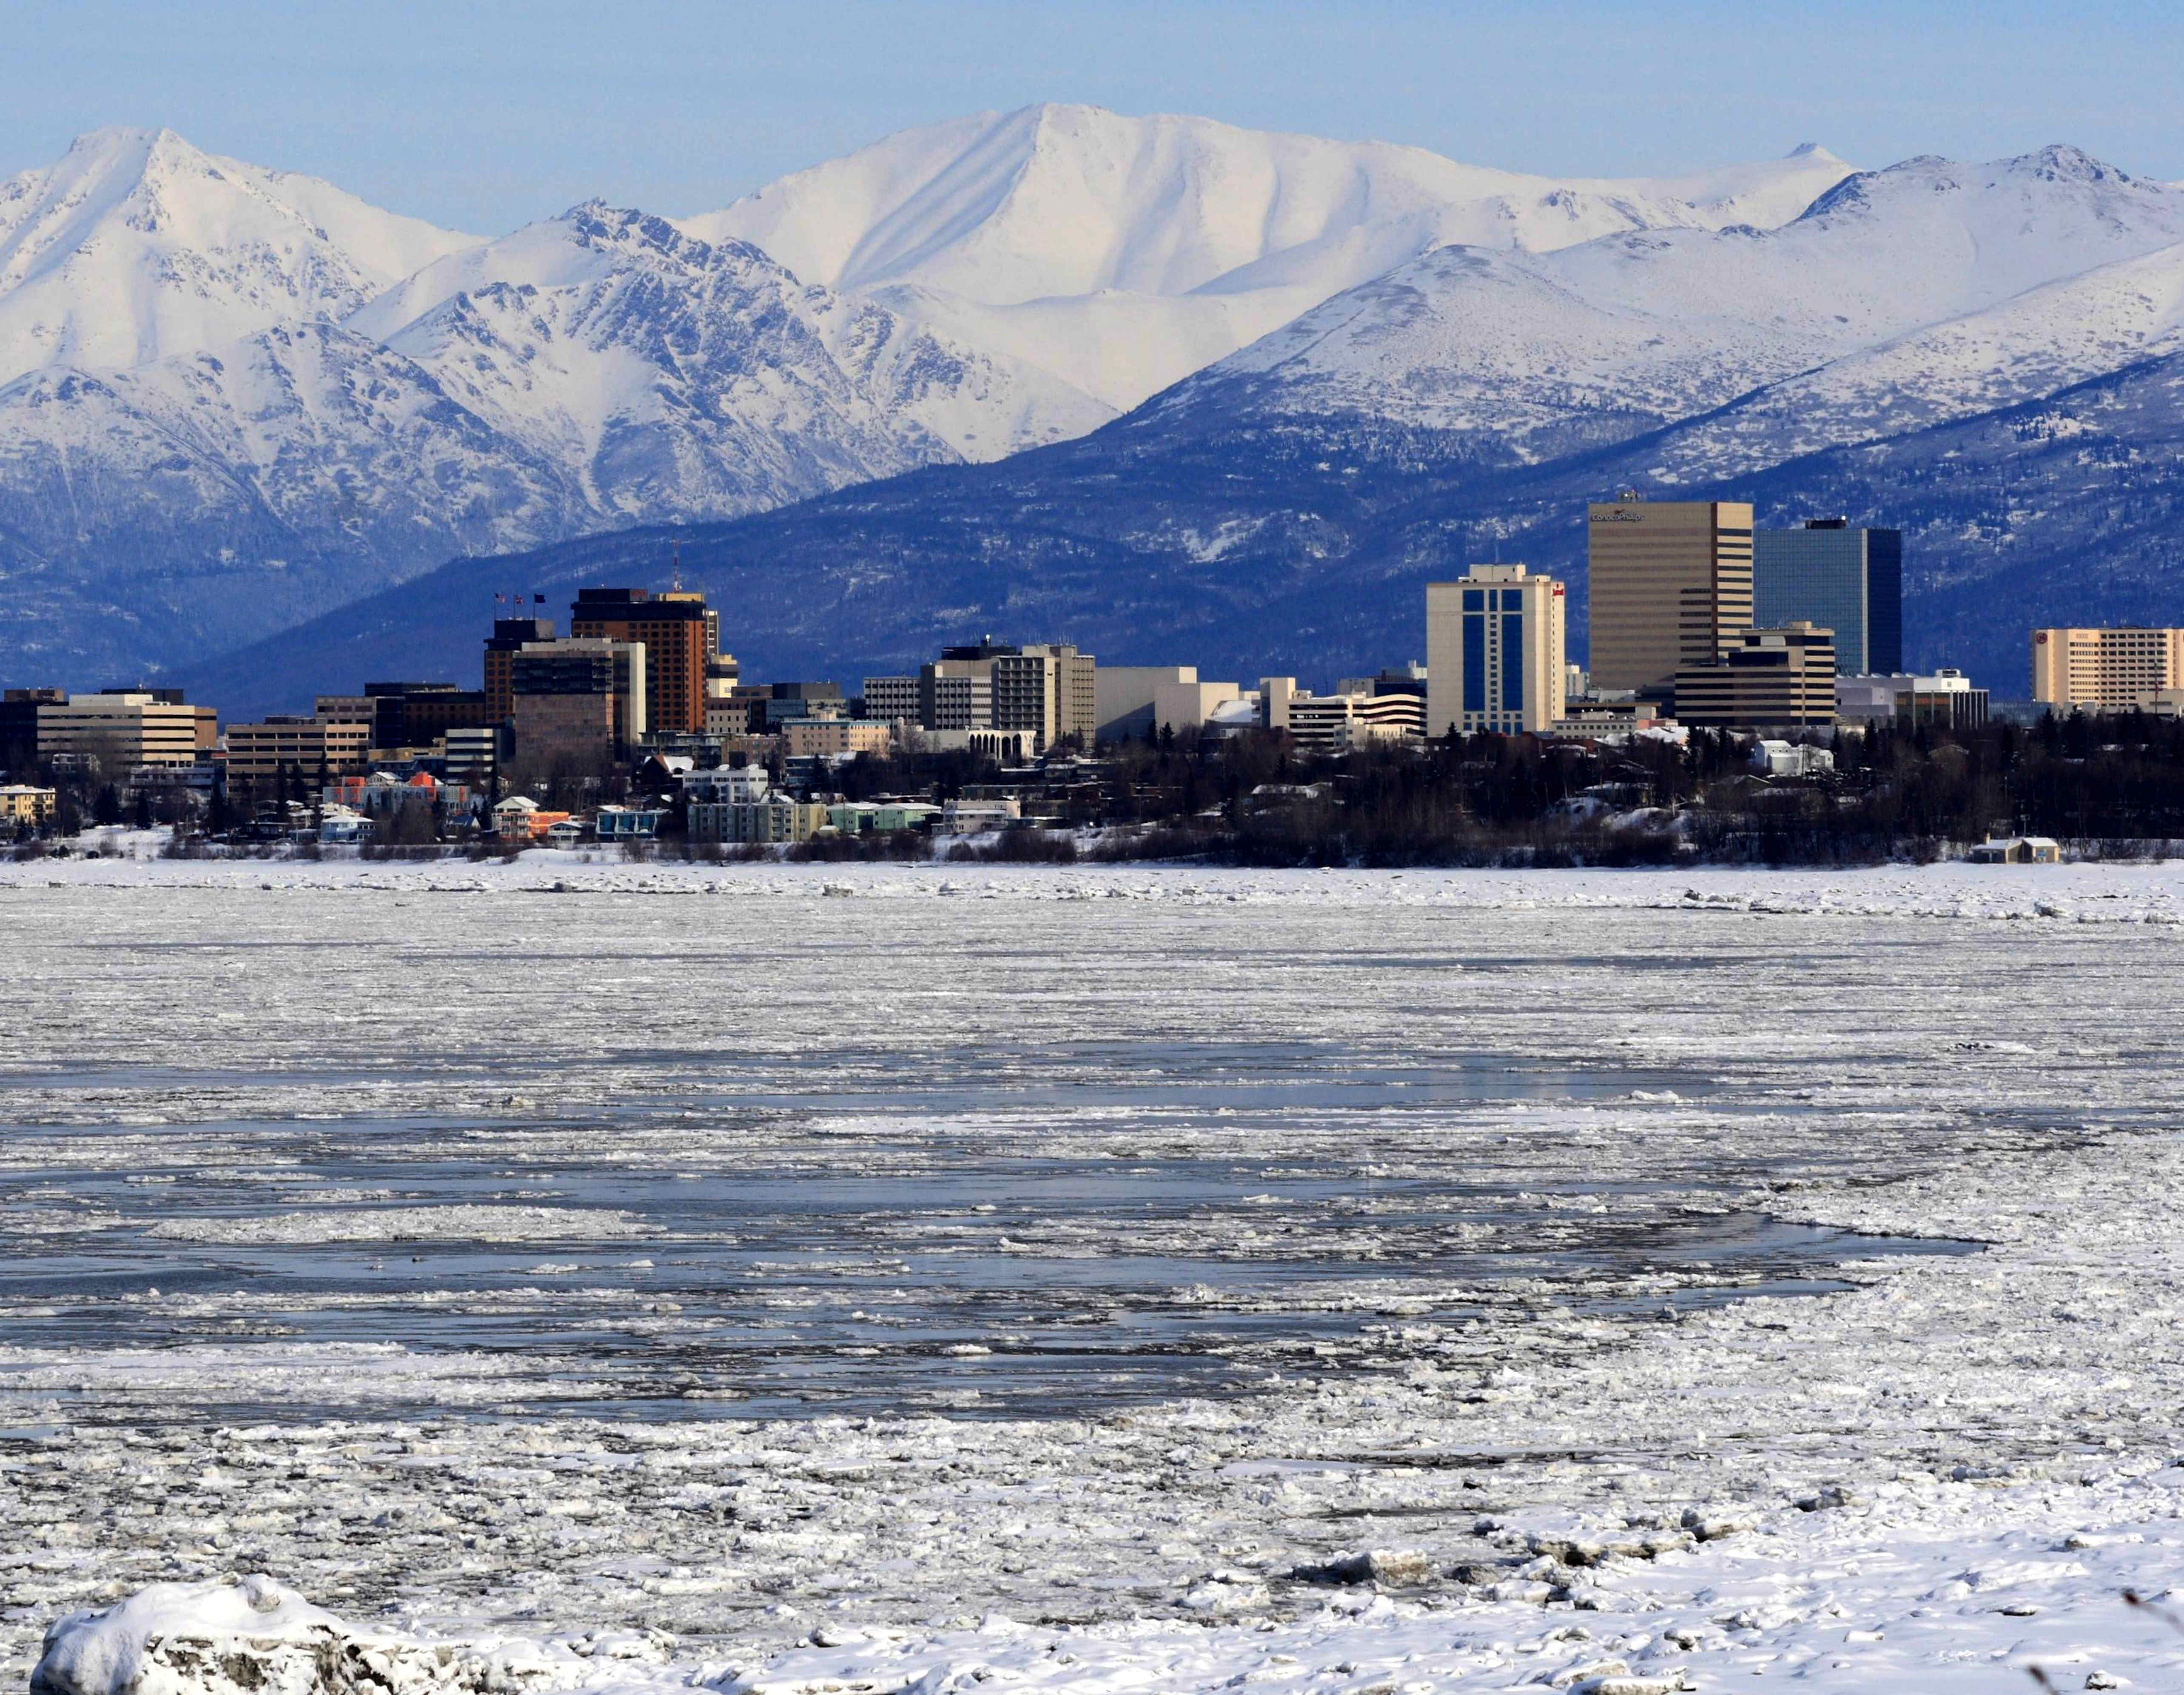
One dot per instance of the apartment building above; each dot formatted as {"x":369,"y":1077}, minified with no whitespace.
{"x":1494,"y":651}
{"x":20,"y":804}
{"x":1670,"y":586}
{"x":2106,"y":671}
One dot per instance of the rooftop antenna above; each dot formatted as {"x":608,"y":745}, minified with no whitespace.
{"x":675,"y":565}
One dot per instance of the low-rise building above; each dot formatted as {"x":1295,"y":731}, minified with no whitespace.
{"x":804,"y":738}
{"x":965,"y":816}
{"x":519,"y":817}
{"x":1769,"y":677}
{"x":1780,"y":758}
{"x":1946,"y":700}
{"x":881,"y":818}
{"x":260,"y":752}
{"x":343,"y":824}
{"x":22,"y":804}
{"x":771,"y":817}
{"x":628,"y":823}
{"x":1338,"y":723}
{"x":122,"y":729}
{"x":1003,"y":747}
{"x":1594,"y":717}
{"x":2018,"y":850}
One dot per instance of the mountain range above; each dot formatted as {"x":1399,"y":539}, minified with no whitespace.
{"x":1174,"y":389}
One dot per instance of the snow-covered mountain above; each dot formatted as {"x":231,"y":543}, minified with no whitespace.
{"x":137,"y":245}
{"x":242,"y":400}
{"x":1122,"y":254}
{"x":1926,"y":290}
{"x":595,"y":370}
{"x":1989,"y":357}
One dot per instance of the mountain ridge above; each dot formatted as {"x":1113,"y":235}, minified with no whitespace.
{"x":881,"y":470}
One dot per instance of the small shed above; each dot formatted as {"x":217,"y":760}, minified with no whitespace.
{"x":2018,"y":850}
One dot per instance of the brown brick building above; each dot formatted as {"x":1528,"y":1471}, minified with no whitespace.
{"x":680,"y":637}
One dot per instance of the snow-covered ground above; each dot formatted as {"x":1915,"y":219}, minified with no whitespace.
{"x":1516,"y":1118}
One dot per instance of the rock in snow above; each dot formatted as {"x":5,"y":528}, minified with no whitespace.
{"x":250,"y":1634}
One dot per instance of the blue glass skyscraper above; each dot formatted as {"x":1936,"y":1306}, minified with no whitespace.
{"x":1843,"y":578}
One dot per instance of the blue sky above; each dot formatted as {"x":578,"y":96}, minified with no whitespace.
{"x":484,"y":116}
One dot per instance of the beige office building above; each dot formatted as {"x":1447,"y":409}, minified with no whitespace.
{"x":1494,"y":651}
{"x":257,"y":752}
{"x":124,"y":729}
{"x":1047,"y":688}
{"x":2106,"y":671}
{"x":1670,"y":586}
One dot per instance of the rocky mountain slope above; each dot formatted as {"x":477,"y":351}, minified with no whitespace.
{"x":595,"y":370}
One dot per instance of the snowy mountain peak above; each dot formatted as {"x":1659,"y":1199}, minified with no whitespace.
{"x":1122,"y":254}
{"x":136,"y":245}
{"x":2059,"y":162}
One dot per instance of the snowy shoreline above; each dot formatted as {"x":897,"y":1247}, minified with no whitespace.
{"x":1879,"y":1483}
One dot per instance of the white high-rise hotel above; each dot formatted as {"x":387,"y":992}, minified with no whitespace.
{"x":1494,"y":652}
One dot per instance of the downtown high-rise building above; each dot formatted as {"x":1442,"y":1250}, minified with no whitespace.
{"x":2106,"y":671}
{"x":1494,"y":651}
{"x":1841,"y":577}
{"x":682,"y":639}
{"x":1670,"y":586}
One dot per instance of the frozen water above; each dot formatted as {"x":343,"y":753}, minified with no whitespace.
{"x":684,"y":1252}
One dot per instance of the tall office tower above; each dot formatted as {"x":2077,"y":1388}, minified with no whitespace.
{"x":1841,"y":577}
{"x":681,"y":641}
{"x":510,"y":636}
{"x":1494,"y":652}
{"x":584,"y":697}
{"x":2106,"y":671}
{"x":1671,"y":587}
